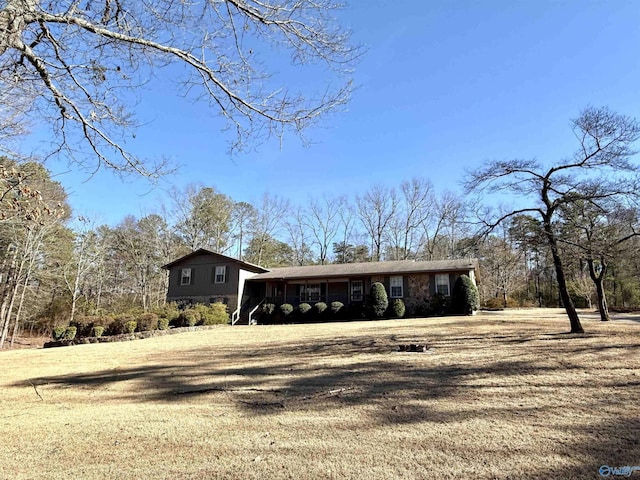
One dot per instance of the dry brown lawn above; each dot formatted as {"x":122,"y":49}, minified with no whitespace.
{"x":498,"y":395}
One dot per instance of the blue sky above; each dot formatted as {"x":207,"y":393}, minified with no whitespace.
{"x":444,"y":85}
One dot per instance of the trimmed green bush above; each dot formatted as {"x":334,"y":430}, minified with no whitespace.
{"x":58,"y":333}
{"x":304,"y":308}
{"x":378,"y":300}
{"x":169,"y":311}
{"x":304,"y":312}
{"x":163,"y":324}
{"x":97,"y":331}
{"x":70,"y":333}
{"x":189,"y":318}
{"x":397,"y":308}
{"x":201,"y":312}
{"x":286,"y":309}
{"x":215,"y":314}
{"x":337,"y":310}
{"x":320,"y":309}
{"x":131,"y":326}
{"x":464,"y":297}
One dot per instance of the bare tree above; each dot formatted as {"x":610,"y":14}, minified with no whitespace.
{"x":296,"y":227}
{"x":346,"y":227}
{"x":416,"y":198}
{"x":502,"y":268}
{"x":582,"y":285}
{"x":26,"y":237}
{"x":244,"y":215}
{"x":269,"y":220}
{"x":599,"y":170}
{"x":440,"y":226}
{"x":81,"y":262}
{"x":86,"y":60}
{"x":598,"y":233}
{"x":139,"y":246}
{"x":13,"y":123}
{"x":322,"y":220}
{"x":376,"y":209}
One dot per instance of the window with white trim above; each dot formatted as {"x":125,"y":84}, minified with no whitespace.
{"x":220,"y":274}
{"x":185,"y":276}
{"x":357,"y":290}
{"x":395,"y":287}
{"x":310,"y":292}
{"x":442,"y":284}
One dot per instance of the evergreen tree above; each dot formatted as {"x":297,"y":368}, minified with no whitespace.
{"x":378,"y":300}
{"x":464,"y":298}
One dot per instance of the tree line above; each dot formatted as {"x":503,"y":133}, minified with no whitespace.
{"x":573,"y":243}
{"x":56,"y":265}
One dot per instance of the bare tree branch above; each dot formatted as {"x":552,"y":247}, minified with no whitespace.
{"x":599,"y":171}
{"x":90,"y":58}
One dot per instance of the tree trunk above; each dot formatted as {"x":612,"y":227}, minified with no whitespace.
{"x":574,"y":320}
{"x":16,"y":324}
{"x":598,"y":280}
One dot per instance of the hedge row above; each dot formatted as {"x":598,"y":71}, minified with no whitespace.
{"x":464,"y":300}
{"x":162,"y":319}
{"x":321,"y":312}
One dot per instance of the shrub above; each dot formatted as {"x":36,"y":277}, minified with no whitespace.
{"x":70,"y":333}
{"x":119,"y":324}
{"x":464,"y":297}
{"x":378,"y":300}
{"x":84,"y":325}
{"x":97,"y":331}
{"x":439,"y":305}
{"x":201,"y":311}
{"x":397,"y":308}
{"x":163,"y":324}
{"x":337,"y":310}
{"x":58,"y":333}
{"x":304,"y":312}
{"x":356,"y":311}
{"x":320,"y":309}
{"x":189,"y":318}
{"x":147,"y":321}
{"x":268,"y":313}
{"x":286,"y":309}
{"x":422,"y":308}
{"x":130,"y":326}
{"x":215,"y":314}
{"x":304,"y":308}
{"x":169,"y":311}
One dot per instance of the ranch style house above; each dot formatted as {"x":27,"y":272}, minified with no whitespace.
{"x":203,"y":276}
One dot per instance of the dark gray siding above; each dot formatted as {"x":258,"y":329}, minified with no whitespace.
{"x":203,"y":278}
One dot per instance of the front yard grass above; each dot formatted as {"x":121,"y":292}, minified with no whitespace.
{"x":497,"y":395}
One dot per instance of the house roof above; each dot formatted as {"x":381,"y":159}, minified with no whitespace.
{"x":369,"y":268}
{"x":203,"y":251}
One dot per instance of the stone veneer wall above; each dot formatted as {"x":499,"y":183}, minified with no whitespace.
{"x":417,"y":294}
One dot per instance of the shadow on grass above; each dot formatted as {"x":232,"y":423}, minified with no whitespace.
{"x":501,"y":379}
{"x":357,"y":370}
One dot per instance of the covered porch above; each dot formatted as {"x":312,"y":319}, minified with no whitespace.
{"x":327,"y":290}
